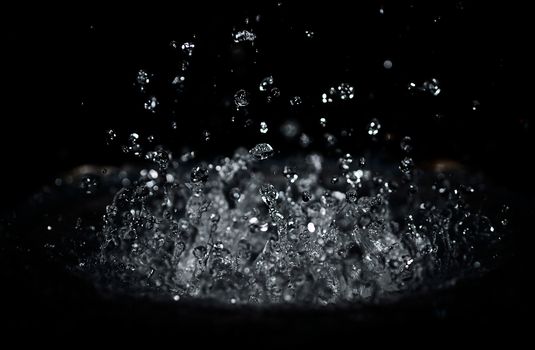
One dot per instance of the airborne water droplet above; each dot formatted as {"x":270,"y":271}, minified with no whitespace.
{"x":241,"y":98}
{"x":262,"y":151}
{"x":89,"y":184}
{"x":243,"y":35}
{"x":373,"y":127}
{"x":406,"y":144}
{"x":266,"y":84}
{"x":263,"y":127}
{"x":151,"y":104}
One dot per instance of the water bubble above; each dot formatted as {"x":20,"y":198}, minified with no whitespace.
{"x":266,"y":84}
{"x":243,"y":35}
{"x":241,"y":98}
{"x":263,"y":127}
{"x":262,"y":151}
{"x":373,"y":127}
{"x":151,"y":104}
{"x":406,"y":144}
{"x":89,"y":184}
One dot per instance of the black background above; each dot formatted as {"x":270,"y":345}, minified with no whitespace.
{"x":68,"y":76}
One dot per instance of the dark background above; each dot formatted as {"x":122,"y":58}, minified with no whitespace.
{"x":68,"y":76}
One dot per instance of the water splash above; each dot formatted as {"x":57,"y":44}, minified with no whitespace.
{"x":240,"y":231}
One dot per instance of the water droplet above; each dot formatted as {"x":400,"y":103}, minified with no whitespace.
{"x":304,"y":140}
{"x":266,"y":84}
{"x":345,"y":91}
{"x":290,"y":174}
{"x":199,"y":174}
{"x":289,"y":129}
{"x":241,"y":98}
{"x":200,"y":252}
{"x":331,"y":139}
{"x":342,"y":92}
{"x":262,"y":151}
{"x":111,"y":136}
{"x":374,"y":127}
{"x":187,"y":48}
{"x":235,"y":193}
{"x":206,"y":135}
{"x":351,"y":196}
{"x":296,"y":101}
{"x":89,"y":184}
{"x":133,"y":146}
{"x":151,"y":104}
{"x":143,"y":79}
{"x":431,"y":86}
{"x":406,"y":166}
{"x":160,"y":157}
{"x":243,"y":35}
{"x":263,"y":127}
{"x":346,"y":161}
{"x":406,"y":144}
{"x":269,"y":195}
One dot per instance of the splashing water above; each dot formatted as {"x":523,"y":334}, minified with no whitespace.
{"x":247,"y":232}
